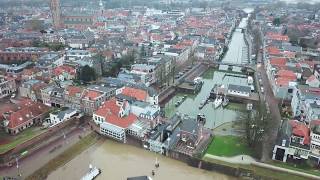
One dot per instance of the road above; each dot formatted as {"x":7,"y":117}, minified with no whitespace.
{"x":272,"y":106}
{"x":43,"y":155}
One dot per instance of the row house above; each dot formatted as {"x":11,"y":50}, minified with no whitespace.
{"x":293,"y":142}
{"x":146,"y":72}
{"x":30,"y":73}
{"x":7,"y":86}
{"x":73,"y":96}
{"x":315,"y":140}
{"x":57,"y":117}
{"x":298,"y":141}
{"x":64,"y":72}
{"x":164,"y":67}
{"x":49,"y":61}
{"x":180,"y":55}
{"x":25,"y":117}
{"x":92,"y":100}
{"x":31,"y":89}
{"x":305,"y":103}
{"x":75,"y":54}
{"x":138,"y":94}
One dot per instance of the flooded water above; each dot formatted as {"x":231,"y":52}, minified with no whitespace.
{"x":215,"y":117}
{"x":119,"y":161}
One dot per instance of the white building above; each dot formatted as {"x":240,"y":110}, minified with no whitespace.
{"x":61,"y":116}
{"x":239,"y":90}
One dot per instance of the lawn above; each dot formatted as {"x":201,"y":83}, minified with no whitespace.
{"x":228,"y":146}
{"x":302,"y":167}
{"x":12,"y":141}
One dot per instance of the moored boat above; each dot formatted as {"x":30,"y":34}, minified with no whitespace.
{"x":217,"y":102}
{"x":92,"y":173}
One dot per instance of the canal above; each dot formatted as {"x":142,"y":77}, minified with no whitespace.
{"x":119,"y":161}
{"x":221,"y":76}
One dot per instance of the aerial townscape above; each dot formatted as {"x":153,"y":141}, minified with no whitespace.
{"x":159,"y":89}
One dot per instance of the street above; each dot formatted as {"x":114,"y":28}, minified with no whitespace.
{"x":43,"y":155}
{"x":272,"y":107}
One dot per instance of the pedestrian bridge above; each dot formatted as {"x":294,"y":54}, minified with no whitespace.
{"x":214,"y":63}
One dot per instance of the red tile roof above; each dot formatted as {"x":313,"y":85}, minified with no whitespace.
{"x":277,"y":37}
{"x":64,"y":68}
{"x":26,"y":114}
{"x":281,"y":62}
{"x":73,"y":90}
{"x":139,"y":94}
{"x":92,"y":95}
{"x":311,"y":78}
{"x":290,"y":75}
{"x":273,"y":50}
{"x":301,"y":130}
{"x":110,"y":111}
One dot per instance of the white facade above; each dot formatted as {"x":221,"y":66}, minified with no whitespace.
{"x":98,"y":119}
{"x":113,"y":131}
{"x":315,"y":144}
{"x":55,"y":118}
{"x":77,"y":54}
{"x":238,"y":93}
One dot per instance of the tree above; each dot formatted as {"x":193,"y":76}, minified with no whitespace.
{"x":87,"y":74}
{"x":276,"y":21}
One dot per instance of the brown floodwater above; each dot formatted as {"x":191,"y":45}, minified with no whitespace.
{"x":119,"y":161}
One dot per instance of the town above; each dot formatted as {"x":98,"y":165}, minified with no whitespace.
{"x":230,"y":87}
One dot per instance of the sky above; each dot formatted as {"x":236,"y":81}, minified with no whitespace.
{"x":296,"y":1}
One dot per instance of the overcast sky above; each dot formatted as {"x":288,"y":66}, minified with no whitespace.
{"x":308,"y":1}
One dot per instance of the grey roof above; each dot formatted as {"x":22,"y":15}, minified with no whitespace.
{"x":284,"y":134}
{"x":239,"y":88}
{"x":158,"y":130}
{"x":128,"y":98}
{"x":138,"y":178}
{"x":61,"y":114}
{"x":101,"y":88}
{"x":115,"y":82}
{"x":59,"y":91}
{"x":289,"y":47}
{"x":316,"y":129}
{"x":140,"y":104}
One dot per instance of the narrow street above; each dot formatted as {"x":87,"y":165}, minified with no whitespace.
{"x":272,"y":107}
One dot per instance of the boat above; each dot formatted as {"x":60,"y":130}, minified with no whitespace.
{"x":92,"y":173}
{"x":217,"y":102}
{"x":225,"y":102}
{"x":202,"y":104}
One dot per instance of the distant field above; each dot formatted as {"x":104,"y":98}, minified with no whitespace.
{"x":228,"y":146}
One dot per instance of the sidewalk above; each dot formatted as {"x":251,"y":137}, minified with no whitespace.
{"x":240,"y":159}
{"x":248,"y":160}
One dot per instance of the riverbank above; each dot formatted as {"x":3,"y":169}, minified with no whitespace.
{"x":119,"y":161}
{"x":247,"y":167}
{"x":64,"y":157}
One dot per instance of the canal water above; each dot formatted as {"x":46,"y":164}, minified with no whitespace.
{"x":219,"y":116}
{"x":119,"y":161}
{"x":215,"y":117}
